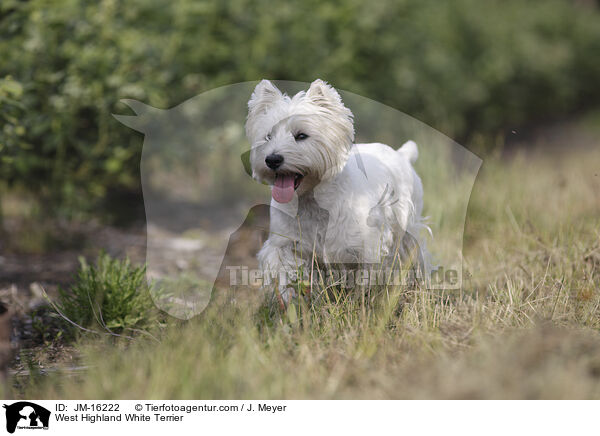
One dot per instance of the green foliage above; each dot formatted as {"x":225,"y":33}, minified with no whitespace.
{"x":112,"y":295}
{"x":468,"y":68}
{"x":10,"y":109}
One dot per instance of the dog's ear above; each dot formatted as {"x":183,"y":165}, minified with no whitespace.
{"x":324,"y":95}
{"x":264,"y":96}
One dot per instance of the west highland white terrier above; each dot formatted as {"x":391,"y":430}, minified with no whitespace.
{"x":333,"y":201}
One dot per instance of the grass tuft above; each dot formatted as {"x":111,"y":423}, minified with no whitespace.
{"x":111,"y":295}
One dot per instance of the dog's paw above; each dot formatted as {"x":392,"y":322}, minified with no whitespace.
{"x":287,"y":294}
{"x":281,"y":266}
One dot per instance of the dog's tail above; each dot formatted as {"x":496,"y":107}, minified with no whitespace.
{"x":410,"y":151}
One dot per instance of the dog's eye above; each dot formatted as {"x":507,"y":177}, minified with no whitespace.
{"x":300,"y":136}
{"x":268,"y":137}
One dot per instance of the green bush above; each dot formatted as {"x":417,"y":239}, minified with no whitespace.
{"x":111,"y":296}
{"x":468,"y":68}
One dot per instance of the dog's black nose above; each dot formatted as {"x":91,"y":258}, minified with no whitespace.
{"x":274,"y":161}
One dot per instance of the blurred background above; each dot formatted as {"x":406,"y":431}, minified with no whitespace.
{"x":479,"y":72}
{"x":494,"y":76}
{"x":505,"y":79}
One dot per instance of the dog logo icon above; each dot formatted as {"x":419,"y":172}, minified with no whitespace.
{"x":26,"y":415}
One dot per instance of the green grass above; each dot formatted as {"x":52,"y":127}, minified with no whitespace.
{"x":525,"y":324}
{"x":110,"y":297}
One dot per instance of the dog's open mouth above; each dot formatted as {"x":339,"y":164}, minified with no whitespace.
{"x":285,"y":185}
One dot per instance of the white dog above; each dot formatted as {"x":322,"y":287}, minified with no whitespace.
{"x":333,"y":201}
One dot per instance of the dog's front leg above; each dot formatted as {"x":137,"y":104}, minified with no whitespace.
{"x":282,"y":265}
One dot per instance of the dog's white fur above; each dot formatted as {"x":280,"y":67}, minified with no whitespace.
{"x":371,"y":195}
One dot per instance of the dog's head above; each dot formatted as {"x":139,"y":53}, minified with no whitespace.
{"x":297,"y":142}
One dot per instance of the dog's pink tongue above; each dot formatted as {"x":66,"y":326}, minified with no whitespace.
{"x":283,"y":189}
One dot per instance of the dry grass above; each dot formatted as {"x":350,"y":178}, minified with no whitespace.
{"x":525,"y":324}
